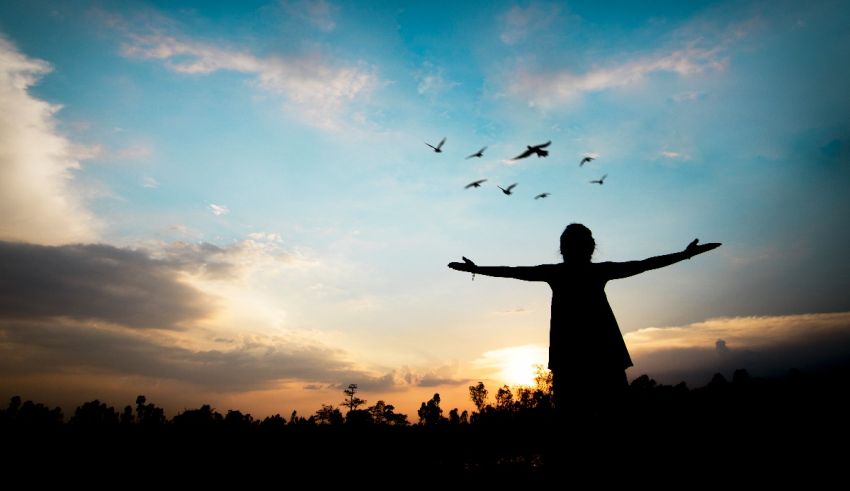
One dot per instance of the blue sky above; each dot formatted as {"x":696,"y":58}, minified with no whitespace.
{"x":271,"y":156}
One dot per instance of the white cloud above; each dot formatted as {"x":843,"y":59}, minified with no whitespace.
{"x":318,"y":13}
{"x":258,"y":253}
{"x":517,"y":310}
{"x":317,"y":88}
{"x":688,"y":95}
{"x":133,"y":152}
{"x":150,"y":182}
{"x":519,"y":23}
{"x":546,"y":89}
{"x":38,"y":202}
{"x":219,"y":210}
{"x":431,"y":80}
{"x":672,"y":155}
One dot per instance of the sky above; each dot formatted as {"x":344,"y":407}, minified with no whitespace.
{"x":233,"y":202}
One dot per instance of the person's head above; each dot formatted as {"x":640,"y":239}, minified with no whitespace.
{"x":577,"y":244}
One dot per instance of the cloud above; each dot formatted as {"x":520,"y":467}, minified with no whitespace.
{"x":552,"y":88}
{"x":686,"y":96}
{"x":669,"y":154}
{"x":43,"y":348}
{"x":432,"y":82}
{"x":38,"y":202}
{"x":519,"y":23}
{"x":766,"y":346}
{"x":31,"y":348}
{"x":133,"y":152}
{"x":317,"y":88}
{"x":95,"y":282}
{"x":317,"y":13}
{"x":408,"y":377}
{"x":218,"y":210}
{"x":696,"y":48}
{"x":258,"y":252}
{"x":518,"y":310}
{"x":150,"y":182}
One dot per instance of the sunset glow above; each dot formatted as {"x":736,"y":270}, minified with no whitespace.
{"x":234,"y":203}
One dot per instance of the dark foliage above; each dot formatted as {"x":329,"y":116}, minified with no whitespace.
{"x":795,"y":426}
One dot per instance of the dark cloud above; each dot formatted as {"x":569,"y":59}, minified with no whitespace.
{"x":35,"y":347}
{"x":807,"y":351}
{"x":202,"y":258}
{"x":95,"y":282}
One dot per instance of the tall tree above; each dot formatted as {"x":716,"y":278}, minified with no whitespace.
{"x":353,"y":402}
{"x":504,"y":398}
{"x":329,"y":415}
{"x":478,"y":394}
{"x":431,"y":413}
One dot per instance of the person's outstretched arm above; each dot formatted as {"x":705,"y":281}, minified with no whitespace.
{"x":631,"y":268}
{"x":527,"y":273}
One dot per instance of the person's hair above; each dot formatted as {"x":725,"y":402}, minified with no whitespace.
{"x":577,"y":243}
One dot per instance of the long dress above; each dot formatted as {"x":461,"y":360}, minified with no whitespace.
{"x":587,"y":354}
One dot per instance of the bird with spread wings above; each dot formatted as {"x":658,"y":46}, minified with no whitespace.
{"x":439,"y":147}
{"x":534,"y":149}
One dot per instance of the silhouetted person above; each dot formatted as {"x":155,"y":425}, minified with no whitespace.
{"x":587,"y":354}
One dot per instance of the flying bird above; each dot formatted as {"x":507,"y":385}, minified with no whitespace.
{"x":599,"y":181}
{"x":542,"y":195}
{"x":509,"y":190}
{"x":439,"y":147}
{"x":479,"y":153}
{"x":476,"y":184}
{"x":585,"y":160}
{"x":532,"y":149}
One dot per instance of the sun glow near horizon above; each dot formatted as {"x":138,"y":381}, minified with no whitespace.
{"x":515,"y":365}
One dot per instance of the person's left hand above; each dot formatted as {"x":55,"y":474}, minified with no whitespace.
{"x":695,"y":247}
{"x":467,"y":265}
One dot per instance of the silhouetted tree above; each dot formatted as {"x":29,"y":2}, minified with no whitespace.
{"x":358,"y":417}
{"x":383,"y":413}
{"x":275,"y":423}
{"x":95,"y":414}
{"x":148,"y":414}
{"x":430,"y":413}
{"x":127,"y":416}
{"x":454,"y":417}
{"x":31,"y":415}
{"x":504,"y":398}
{"x":353,"y":402}
{"x":236,"y":421}
{"x":464,"y":417}
{"x":478,"y":394}
{"x":741,"y":376}
{"x":329,"y":415}
{"x":717,"y":381}
{"x":205,"y":416}
{"x":14,"y":406}
{"x":295,"y":420}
